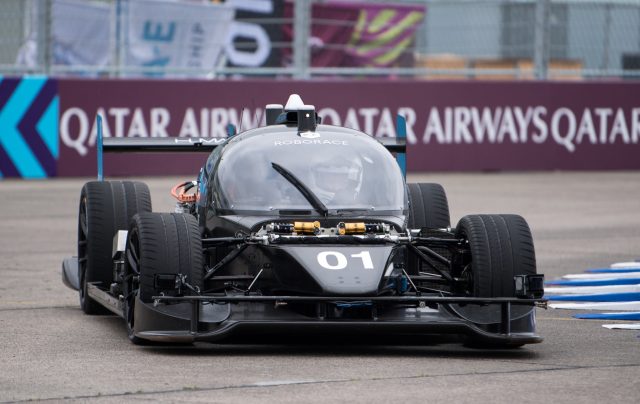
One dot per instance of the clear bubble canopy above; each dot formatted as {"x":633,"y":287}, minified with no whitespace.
{"x":344,"y":169}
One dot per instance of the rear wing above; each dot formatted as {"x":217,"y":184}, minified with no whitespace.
{"x":167,"y":144}
{"x":397,"y":145}
{"x":174,"y":144}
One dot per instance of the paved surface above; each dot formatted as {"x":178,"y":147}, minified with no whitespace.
{"x":49,"y":350}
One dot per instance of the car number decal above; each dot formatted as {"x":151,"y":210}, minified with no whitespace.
{"x":340,"y":261}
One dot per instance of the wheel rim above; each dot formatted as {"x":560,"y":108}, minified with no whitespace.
{"x":131,"y":279}
{"x":83,"y":230}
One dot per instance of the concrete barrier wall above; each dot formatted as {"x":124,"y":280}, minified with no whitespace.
{"x":47,"y":126}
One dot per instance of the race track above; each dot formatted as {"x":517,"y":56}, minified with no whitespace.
{"x":49,"y":350}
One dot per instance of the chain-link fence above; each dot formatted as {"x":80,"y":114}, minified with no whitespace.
{"x":430,"y":39}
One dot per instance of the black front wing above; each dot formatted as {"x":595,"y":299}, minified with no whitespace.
{"x":505,"y":321}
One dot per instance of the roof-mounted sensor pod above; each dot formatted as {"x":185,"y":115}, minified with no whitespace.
{"x":293,"y":103}
{"x":272,"y":113}
{"x":306,"y":118}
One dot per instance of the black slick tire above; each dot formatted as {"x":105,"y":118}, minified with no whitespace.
{"x":428,"y":206}
{"x":159,"y":243}
{"x":105,"y":208}
{"x":500,"y":247}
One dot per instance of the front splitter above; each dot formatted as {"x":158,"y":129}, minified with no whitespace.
{"x":222,"y":322}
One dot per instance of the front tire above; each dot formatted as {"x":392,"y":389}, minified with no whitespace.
{"x":500,"y":247}
{"x":159,"y":243}
{"x":105,"y":208}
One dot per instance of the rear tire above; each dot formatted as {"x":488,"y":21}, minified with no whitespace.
{"x":159,"y":243}
{"x":428,"y":206}
{"x":105,"y":208}
{"x":500,"y":247}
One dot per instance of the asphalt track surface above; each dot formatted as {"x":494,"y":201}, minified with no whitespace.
{"x":50,"y":351}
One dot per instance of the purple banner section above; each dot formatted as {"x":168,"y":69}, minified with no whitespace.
{"x":451,"y":126}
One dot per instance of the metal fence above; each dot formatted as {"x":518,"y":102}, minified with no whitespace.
{"x":430,"y":39}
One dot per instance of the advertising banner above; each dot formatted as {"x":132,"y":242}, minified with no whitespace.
{"x":47,"y":126}
{"x":176,"y":35}
{"x":80,"y":34}
{"x":255,"y":35}
{"x":452,"y":126}
{"x":29,"y":145}
{"x":154,"y":33}
{"x":74,"y":22}
{"x":352,"y":34}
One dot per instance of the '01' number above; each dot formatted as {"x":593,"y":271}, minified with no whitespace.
{"x":339,"y":260}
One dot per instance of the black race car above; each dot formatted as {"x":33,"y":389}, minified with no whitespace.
{"x":294,"y":228}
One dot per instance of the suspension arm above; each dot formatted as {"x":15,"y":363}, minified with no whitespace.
{"x":227,"y":258}
{"x":221,"y":241}
{"x":425,"y":258}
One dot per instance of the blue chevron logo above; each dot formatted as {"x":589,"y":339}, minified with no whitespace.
{"x":28,"y":127}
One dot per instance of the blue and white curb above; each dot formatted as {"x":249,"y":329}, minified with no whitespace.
{"x":598,"y":297}
{"x":622,"y":306}
{"x":561,"y":292}
{"x":634,"y":315}
{"x":612,"y":270}
{"x":631,"y":264}
{"x":608,"y":281}
{"x":615,"y":290}
{"x":633,"y":326}
{"x":591,"y":276}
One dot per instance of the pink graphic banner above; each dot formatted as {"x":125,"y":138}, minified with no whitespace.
{"x":352,"y":34}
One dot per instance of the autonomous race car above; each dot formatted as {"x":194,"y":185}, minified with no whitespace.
{"x":299,"y":228}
